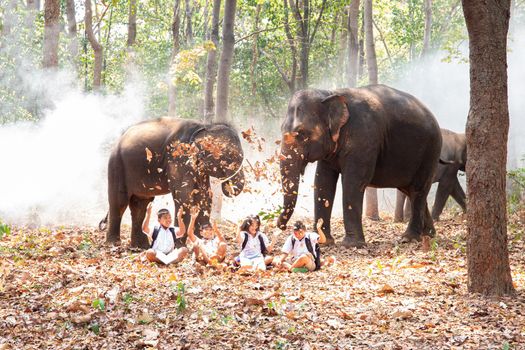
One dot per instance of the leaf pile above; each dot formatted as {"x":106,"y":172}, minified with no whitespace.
{"x":62,"y":288}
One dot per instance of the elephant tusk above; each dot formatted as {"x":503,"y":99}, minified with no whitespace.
{"x":235,"y":173}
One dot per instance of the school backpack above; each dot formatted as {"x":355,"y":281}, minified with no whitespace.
{"x":264,"y":251}
{"x":179,"y":242}
{"x":317,"y":255}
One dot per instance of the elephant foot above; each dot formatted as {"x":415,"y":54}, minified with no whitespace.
{"x":408,"y":237}
{"x":374,"y":218}
{"x":329,"y":241}
{"x":435,"y":218}
{"x":112,"y":239}
{"x":141,"y":243}
{"x":352,"y":241}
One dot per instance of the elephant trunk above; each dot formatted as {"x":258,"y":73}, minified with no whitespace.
{"x":290,"y":176}
{"x":233,"y":186}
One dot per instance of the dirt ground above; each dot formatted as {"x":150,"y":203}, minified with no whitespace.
{"x":62,"y":288}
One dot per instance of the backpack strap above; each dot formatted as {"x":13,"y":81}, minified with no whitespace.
{"x":316,"y":254}
{"x":154,"y":235}
{"x":172,"y":230}
{"x":293,"y":242}
{"x":245,"y":242}
{"x":263,"y":246}
{"x":308,"y":243}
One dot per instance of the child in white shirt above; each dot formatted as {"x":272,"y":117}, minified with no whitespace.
{"x":254,"y":245}
{"x":296,"y":246}
{"x":211,"y":248}
{"x":168,"y":243}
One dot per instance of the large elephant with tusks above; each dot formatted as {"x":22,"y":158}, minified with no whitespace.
{"x":164,"y":155}
{"x":372,"y":136}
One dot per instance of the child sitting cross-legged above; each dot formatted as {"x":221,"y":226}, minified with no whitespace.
{"x":254,"y":244}
{"x":168,"y":243}
{"x":303,"y":247}
{"x":209,"y":250}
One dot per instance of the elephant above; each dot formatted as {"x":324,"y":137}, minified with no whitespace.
{"x":164,"y":155}
{"x":372,"y":136}
{"x":453,"y":158}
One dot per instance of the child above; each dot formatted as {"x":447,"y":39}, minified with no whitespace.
{"x":167,"y":242}
{"x":209,"y":250}
{"x":301,"y":245}
{"x":254,"y":245}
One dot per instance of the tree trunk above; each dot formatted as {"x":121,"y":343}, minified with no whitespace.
{"x":72,"y":30}
{"x":51,"y":32}
{"x":343,"y":43}
{"x":372,"y":207}
{"x":361,"y":65}
{"x":353,"y":46}
{"x":189,"y":29}
{"x":291,"y":81}
{"x":211,"y":63}
{"x":97,"y":48}
{"x":132,"y":23}
{"x":487,"y":132}
{"x":255,"y":52}
{"x":428,"y":27}
{"x":33,"y":4}
{"x":223,"y":80}
{"x":172,"y":89}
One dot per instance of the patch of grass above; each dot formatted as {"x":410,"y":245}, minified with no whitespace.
{"x":99,"y":304}
{"x":5,"y":230}
{"x":181,"y":298}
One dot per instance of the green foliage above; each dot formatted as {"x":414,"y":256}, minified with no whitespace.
{"x":181,"y":298}
{"x":94,"y":327}
{"x":517,"y":178}
{"x":5,"y":230}
{"x":270,"y":214}
{"x":127,"y":298}
{"x":99,"y":304}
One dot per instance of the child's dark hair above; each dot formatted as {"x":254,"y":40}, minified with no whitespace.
{"x":298,"y":225}
{"x":162,"y":212}
{"x":249,"y":221}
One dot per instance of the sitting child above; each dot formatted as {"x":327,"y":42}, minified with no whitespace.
{"x":303,"y":247}
{"x":254,"y":244}
{"x":211,"y":248}
{"x":167,"y":242}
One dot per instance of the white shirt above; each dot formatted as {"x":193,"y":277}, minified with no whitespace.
{"x":164,"y":241}
{"x":253,"y":246}
{"x":210,"y":246}
{"x":299,"y":248}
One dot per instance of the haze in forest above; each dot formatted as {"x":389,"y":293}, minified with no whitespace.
{"x":54,"y":171}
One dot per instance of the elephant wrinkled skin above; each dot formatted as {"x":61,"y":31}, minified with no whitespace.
{"x":164,"y":155}
{"x":372,"y":136}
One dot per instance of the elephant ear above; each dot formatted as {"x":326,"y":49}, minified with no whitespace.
{"x":337,"y":114}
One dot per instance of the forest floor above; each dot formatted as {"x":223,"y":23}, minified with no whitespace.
{"x":62,"y":288}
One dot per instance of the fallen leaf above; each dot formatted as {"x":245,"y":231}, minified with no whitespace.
{"x":149,"y":155}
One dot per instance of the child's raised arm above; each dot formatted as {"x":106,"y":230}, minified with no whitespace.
{"x":194,"y":211}
{"x":145,"y":224}
{"x":217,"y":232}
{"x":182,"y":227}
{"x":322,"y":237}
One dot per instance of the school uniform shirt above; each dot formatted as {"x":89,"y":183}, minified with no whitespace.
{"x":210,"y":246}
{"x":253,"y":246}
{"x":164,"y":242}
{"x":299,"y":248}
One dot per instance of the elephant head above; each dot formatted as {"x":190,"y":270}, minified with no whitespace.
{"x":220,"y":155}
{"x":310,"y":132}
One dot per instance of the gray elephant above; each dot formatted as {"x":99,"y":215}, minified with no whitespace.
{"x":166,"y":155}
{"x":373,"y":136}
{"x":453,"y":158}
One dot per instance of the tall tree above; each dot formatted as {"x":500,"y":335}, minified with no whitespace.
{"x":175,"y":32}
{"x":428,"y":27}
{"x":72,"y":30}
{"x":189,"y":28}
{"x":132,"y":23}
{"x":97,"y":48}
{"x":372,"y":207}
{"x":255,"y":53}
{"x":223,"y":79}
{"x":305,"y":35}
{"x":33,"y":4}
{"x":343,"y":44}
{"x":487,"y":133}
{"x":353,"y":44}
{"x":51,"y":32}
{"x":211,"y":63}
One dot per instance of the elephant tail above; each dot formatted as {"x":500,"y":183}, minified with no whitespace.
{"x":442,"y":161}
{"x":103,"y":224}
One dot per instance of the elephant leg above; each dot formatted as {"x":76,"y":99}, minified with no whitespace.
{"x":137,"y":207}
{"x":118,"y":202}
{"x":443,"y":191}
{"x":459,"y":195}
{"x":408,"y":210}
{"x":400,"y":202}
{"x":324,"y":193}
{"x":353,"y":193}
{"x":420,"y":220}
